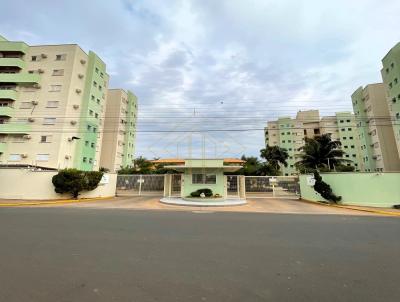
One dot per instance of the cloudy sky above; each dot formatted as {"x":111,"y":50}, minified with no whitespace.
{"x":199,"y":66}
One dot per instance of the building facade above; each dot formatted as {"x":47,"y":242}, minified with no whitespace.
{"x":375,"y":131}
{"x":119,"y":136}
{"x":52,"y":105}
{"x":391,"y":78}
{"x":290,"y":134}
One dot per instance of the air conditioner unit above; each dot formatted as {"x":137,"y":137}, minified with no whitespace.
{"x":67,"y":156}
{"x":75,"y":106}
{"x":80,"y":76}
{"x":78,"y":90}
{"x":83,"y":61}
{"x":73,"y":122}
{"x":35,"y":103}
{"x":40,"y":70}
{"x":43,"y":55}
{"x":70,"y":139}
{"x":24,"y":155}
{"x":31,"y":119}
{"x":27,"y":136}
{"x":375,"y":157}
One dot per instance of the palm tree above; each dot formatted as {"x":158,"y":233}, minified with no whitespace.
{"x":275,"y":155}
{"x":321,"y":152}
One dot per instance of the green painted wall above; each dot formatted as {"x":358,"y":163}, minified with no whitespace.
{"x":91,"y":94}
{"x":364,"y":189}
{"x":188,"y":187}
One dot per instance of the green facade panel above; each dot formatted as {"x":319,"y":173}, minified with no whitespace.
{"x":8,"y":94}
{"x":20,"y":78}
{"x":89,"y":126}
{"x":14,"y":129}
{"x":13,"y":46}
{"x":130,"y":134}
{"x":12,"y":62}
{"x":7,"y":111}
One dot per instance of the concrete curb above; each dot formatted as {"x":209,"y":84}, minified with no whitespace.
{"x":50,"y":202}
{"x":353,"y":208}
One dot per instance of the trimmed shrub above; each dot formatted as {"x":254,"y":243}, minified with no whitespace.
{"x":207,"y":193}
{"x":324,"y":189}
{"x":74,"y":181}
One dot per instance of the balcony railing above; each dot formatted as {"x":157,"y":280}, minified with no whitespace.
{"x":10,"y":94}
{"x":7,"y":111}
{"x":11,"y":128}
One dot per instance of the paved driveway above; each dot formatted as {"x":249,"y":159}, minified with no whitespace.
{"x":256,"y":205}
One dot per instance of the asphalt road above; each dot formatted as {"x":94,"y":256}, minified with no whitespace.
{"x":58,"y":254}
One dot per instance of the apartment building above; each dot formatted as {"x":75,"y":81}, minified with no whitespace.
{"x":391,"y":78}
{"x":52,"y":105}
{"x":376,"y":135}
{"x":290,"y":133}
{"x":119,"y":130}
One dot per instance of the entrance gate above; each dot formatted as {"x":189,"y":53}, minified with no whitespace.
{"x":138,"y":185}
{"x":272,"y":187}
{"x":232,"y":186}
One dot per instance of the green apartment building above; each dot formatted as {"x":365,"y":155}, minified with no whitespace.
{"x":53,"y":101}
{"x":377,"y":140}
{"x":290,"y":133}
{"x":391,"y":78}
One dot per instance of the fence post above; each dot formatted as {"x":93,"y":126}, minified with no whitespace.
{"x":242,"y":187}
{"x":225,"y":186}
{"x":167,"y":185}
{"x":140,"y":184}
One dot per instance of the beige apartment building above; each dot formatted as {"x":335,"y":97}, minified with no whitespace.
{"x":290,"y":133}
{"x":376,"y":134}
{"x":119,"y":130}
{"x":52,"y":106}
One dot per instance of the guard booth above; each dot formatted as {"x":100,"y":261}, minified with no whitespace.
{"x":205,"y":174}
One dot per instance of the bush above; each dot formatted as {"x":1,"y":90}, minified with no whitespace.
{"x":324,"y":189}
{"x":207,"y":193}
{"x":74,"y":181}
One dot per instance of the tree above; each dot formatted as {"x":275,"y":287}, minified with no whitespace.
{"x":275,"y":155}
{"x":321,"y":152}
{"x":142,"y":165}
{"x":251,"y":166}
{"x":74,"y":181}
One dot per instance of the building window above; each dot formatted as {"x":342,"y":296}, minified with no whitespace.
{"x":26,"y":105}
{"x":91,"y":112}
{"x":42,"y":157}
{"x":349,"y":129}
{"x":52,"y":104}
{"x":88,"y":127}
{"x":92,"y":97}
{"x":84,"y":159}
{"x":58,"y":72}
{"x":316,"y":131}
{"x":94,"y":83}
{"x":395,"y":80}
{"x":96,"y":115}
{"x":341,"y":121}
{"x":96,"y":70}
{"x":90,"y":161}
{"x":14,"y":157}
{"x":92,"y":145}
{"x":94,"y":129}
{"x":101,"y":74}
{"x":204,"y":179}
{"x":61,"y":57}
{"x":86,"y":143}
{"x":55,"y":88}
{"x":49,"y":121}
{"x":46,"y":138}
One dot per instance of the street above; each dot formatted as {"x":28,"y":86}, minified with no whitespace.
{"x":77,"y":254}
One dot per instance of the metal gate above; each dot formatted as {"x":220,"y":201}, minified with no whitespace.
{"x":137,"y":185}
{"x":272,"y":187}
{"x":232,"y":186}
{"x":176,"y":184}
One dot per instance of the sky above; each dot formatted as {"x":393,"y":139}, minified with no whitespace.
{"x":209,"y":74}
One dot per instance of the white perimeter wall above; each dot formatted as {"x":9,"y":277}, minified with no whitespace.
{"x":37,"y":185}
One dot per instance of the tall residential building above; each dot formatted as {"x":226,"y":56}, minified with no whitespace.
{"x":119,"y":130}
{"x":52,"y":105}
{"x":290,"y":134}
{"x":391,"y":78}
{"x":378,"y":145}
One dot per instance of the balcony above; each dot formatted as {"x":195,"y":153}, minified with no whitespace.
{"x":2,"y":147}
{"x":7,"y":111}
{"x":9,"y":128}
{"x":10,"y":94}
{"x":12,"y":62}
{"x":13,"y":46}
{"x":20,"y":78}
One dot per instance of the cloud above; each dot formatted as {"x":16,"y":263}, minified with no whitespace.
{"x":228,"y":64}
